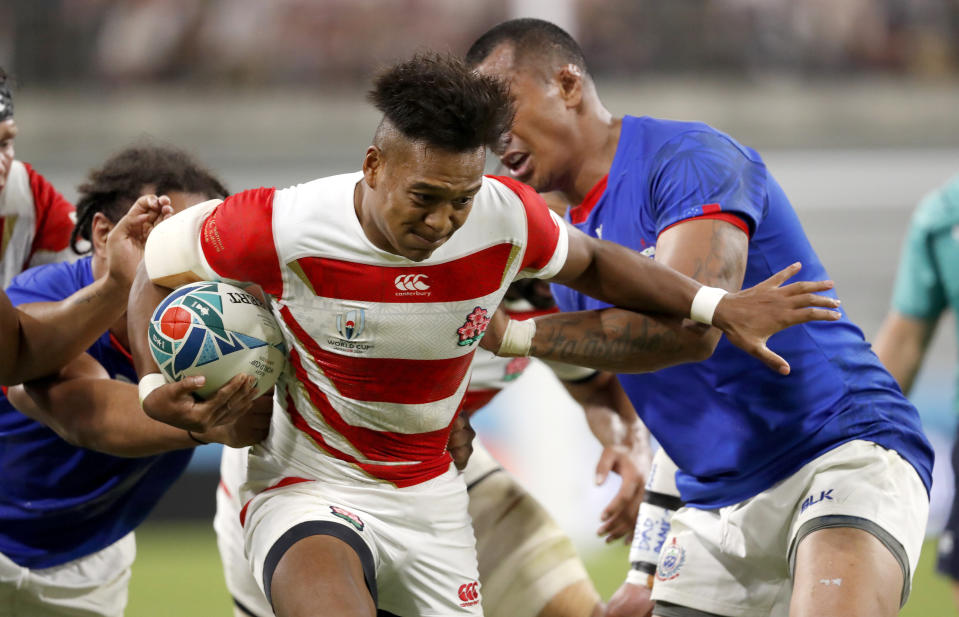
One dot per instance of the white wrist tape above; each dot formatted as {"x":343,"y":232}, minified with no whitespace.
{"x":149,"y":383}
{"x":704,"y":304}
{"x":652,"y":527}
{"x":640,"y":578}
{"x":518,"y":338}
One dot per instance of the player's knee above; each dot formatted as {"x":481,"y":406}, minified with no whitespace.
{"x":577,"y":600}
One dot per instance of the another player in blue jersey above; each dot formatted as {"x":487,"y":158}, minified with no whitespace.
{"x":806,"y":494}
{"x":67,"y":512}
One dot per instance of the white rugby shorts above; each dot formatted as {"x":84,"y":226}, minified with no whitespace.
{"x":737,"y":560}
{"x":94,"y":585}
{"x":416,"y":543}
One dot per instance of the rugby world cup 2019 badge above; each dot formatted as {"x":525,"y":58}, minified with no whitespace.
{"x":474,"y":328}
{"x":350,"y":324}
{"x":671,"y":559}
{"x":349,"y":517}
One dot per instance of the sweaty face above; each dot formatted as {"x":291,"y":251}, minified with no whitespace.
{"x":538,"y":149}
{"x":8,"y":131}
{"x":420,"y":196}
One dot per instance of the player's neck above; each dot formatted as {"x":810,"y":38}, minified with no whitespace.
{"x":600,"y":140}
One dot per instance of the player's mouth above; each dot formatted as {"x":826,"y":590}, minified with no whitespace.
{"x":519,"y":164}
{"x":426,"y":241}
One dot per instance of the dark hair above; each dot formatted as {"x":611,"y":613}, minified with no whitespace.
{"x":114,"y":187}
{"x":531,"y":39}
{"x":437,"y":99}
{"x":6,"y":97}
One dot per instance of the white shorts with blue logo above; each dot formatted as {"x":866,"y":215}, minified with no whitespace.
{"x":737,"y":561}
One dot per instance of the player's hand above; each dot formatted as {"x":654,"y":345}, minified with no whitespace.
{"x":249,"y":429}
{"x":175,"y":404}
{"x":460,"y":444}
{"x":493,"y":336}
{"x":750,"y":316}
{"x":619,"y":515}
{"x":630,"y":601}
{"x":126,"y":240}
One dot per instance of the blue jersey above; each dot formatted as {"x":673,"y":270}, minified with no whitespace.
{"x":59,"y":502}
{"x":733,"y":426}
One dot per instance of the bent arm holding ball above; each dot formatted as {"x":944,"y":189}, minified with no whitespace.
{"x":87,"y":408}
{"x":173,"y":257}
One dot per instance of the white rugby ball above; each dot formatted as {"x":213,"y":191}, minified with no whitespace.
{"x":218,"y":331}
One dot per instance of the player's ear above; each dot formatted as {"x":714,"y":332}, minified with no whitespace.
{"x":99,"y":230}
{"x":372,"y":163}
{"x":570,"y":79}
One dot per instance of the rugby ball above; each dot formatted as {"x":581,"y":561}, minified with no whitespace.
{"x":218,"y":331}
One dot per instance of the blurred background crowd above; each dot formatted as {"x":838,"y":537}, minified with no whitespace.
{"x":295,"y":41}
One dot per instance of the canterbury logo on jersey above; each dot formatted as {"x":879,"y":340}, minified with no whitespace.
{"x":469,"y":594}
{"x":411,"y":282}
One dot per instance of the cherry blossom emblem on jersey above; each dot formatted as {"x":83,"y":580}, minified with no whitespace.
{"x":474,"y":328}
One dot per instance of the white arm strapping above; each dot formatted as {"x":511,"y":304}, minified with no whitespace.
{"x":173,"y":247}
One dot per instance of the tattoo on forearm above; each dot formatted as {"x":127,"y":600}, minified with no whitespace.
{"x":568,"y":341}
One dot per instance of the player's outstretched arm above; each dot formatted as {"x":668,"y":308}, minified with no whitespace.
{"x":617,"y":341}
{"x":40,"y":338}
{"x":88,"y":409}
{"x":901,"y":343}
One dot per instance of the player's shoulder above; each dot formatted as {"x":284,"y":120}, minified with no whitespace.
{"x":939,"y":209}
{"x":324,"y":187}
{"x":670,"y":139}
{"x":51,"y":282}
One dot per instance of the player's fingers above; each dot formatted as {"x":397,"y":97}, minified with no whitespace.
{"x":783,"y":275}
{"x":604,"y":465}
{"x":228,"y":402}
{"x":804,"y":287}
{"x":805,"y":315}
{"x":811,"y":299}
{"x":772,"y":360}
{"x":241,"y":401}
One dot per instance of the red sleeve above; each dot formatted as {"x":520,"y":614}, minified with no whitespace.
{"x":729,"y":217}
{"x":542,"y":234}
{"x":55,"y":215}
{"x":237,"y":240}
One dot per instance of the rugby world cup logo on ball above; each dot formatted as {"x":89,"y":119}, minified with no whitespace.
{"x":218,"y":331}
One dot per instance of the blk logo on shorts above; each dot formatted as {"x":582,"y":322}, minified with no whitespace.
{"x":814,"y":499}
{"x":469,"y":594}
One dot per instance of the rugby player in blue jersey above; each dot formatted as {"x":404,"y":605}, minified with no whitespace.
{"x":805,"y":494}
{"x":82,"y":465}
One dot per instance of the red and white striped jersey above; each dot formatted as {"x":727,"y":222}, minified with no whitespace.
{"x":380,"y":346}
{"x":35,"y":223}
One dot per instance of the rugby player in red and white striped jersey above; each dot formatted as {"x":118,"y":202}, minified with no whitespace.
{"x":384,"y":281}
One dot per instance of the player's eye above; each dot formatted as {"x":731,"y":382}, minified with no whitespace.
{"x":462,"y":202}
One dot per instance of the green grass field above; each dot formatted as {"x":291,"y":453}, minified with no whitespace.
{"x":177,"y":573}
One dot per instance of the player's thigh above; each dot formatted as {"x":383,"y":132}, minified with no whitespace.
{"x":528,"y":565}
{"x":321,"y":575}
{"x":282,"y":526}
{"x":867,"y":489}
{"x":845,"y":571}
